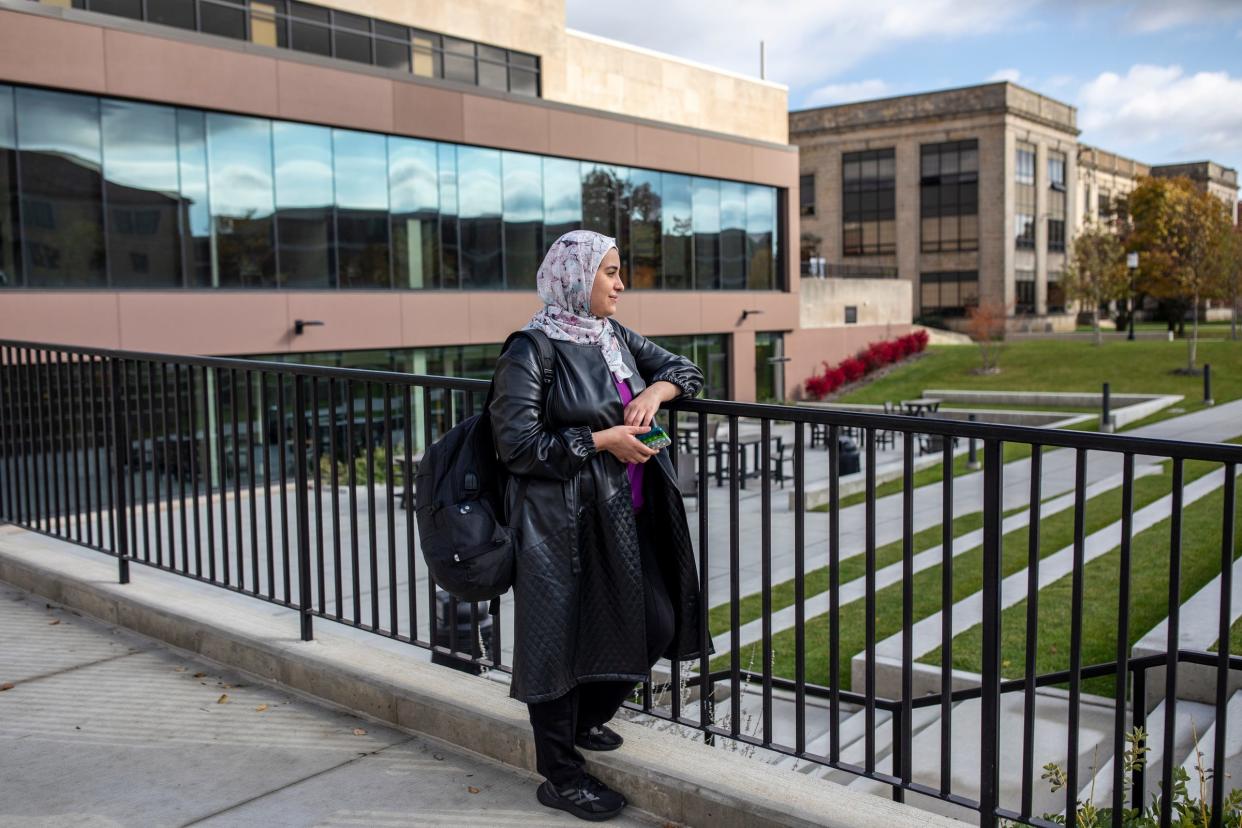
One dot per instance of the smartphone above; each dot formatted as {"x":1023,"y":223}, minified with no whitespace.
{"x":657,"y":438}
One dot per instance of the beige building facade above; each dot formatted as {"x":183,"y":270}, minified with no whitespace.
{"x":970,"y":195}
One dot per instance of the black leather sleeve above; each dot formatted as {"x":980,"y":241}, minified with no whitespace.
{"x":523,"y":443}
{"x":656,"y":364}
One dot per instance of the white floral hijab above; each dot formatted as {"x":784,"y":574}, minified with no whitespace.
{"x":564,"y":281}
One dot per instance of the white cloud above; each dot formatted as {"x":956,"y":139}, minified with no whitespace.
{"x":1165,"y":110}
{"x":1011,"y":75}
{"x":807,"y":40}
{"x":836,"y":93}
{"x":1159,"y":15}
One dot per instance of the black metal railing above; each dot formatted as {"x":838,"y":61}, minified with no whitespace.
{"x":293,"y":484}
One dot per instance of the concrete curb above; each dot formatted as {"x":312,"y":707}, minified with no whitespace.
{"x":660,"y":773}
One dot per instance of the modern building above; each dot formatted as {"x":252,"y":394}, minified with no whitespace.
{"x":970,"y":195}
{"x":374,"y":184}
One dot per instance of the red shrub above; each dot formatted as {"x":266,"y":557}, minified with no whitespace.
{"x":853,"y":368}
{"x":920,"y":337}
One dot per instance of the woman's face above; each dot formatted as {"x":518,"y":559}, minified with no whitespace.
{"x":607,"y":287}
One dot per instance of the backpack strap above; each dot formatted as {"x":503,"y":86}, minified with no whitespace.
{"x":547,"y":363}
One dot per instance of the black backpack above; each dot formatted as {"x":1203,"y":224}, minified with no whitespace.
{"x":459,"y":502}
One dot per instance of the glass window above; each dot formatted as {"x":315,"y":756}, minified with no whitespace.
{"x":493,"y":73}
{"x":221,"y":18}
{"x":676,"y":221}
{"x":760,"y":237}
{"x":361,"y":169}
{"x":851,"y":314}
{"x":121,"y":8}
{"x":414,"y":202}
{"x":426,"y":55}
{"x":524,"y":82}
{"x":308,"y":28}
{"x":769,"y":366}
{"x":140,"y":189}
{"x":948,"y":293}
{"x":1024,"y":289}
{"x":562,"y":198}
{"x":392,"y":55}
{"x":264,"y":24}
{"x":732,"y":235}
{"x":523,"y":215}
{"x":480,"y":211}
{"x":61,"y":200}
{"x":239,"y":160}
{"x":600,"y":188}
{"x":351,"y":37}
{"x":305,"y":229}
{"x":806,"y":194}
{"x":868,"y":203}
{"x":706,"y":234}
{"x":646,"y":229}
{"x":450,"y":236}
{"x":1056,"y":201}
{"x":459,"y":60}
{"x":1056,"y":293}
{"x":196,"y":226}
{"x":10,"y":253}
{"x":949,"y":188}
{"x":179,"y":13}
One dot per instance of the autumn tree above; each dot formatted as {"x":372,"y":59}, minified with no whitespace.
{"x":985,"y":324}
{"x":1229,"y":262}
{"x":1177,"y":228}
{"x":1096,"y":272}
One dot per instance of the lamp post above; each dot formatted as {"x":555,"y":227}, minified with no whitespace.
{"x":1132,"y":262}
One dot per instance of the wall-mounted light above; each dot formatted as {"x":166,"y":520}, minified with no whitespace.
{"x":746,"y":313}
{"x":300,"y":325}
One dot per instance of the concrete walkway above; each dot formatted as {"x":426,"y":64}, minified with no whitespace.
{"x":113,"y":729}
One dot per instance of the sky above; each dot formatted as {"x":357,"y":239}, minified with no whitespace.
{"x":1155,"y":80}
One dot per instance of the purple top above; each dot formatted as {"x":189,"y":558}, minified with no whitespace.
{"x":634,"y":470}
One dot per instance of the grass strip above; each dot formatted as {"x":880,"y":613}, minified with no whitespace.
{"x":1200,"y":563}
{"x":1056,"y":532}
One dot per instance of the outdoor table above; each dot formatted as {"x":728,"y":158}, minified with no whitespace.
{"x":921,"y":406}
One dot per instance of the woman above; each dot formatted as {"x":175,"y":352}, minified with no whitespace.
{"x":606,"y":580}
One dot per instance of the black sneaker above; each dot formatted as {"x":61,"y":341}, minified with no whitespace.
{"x":588,"y":798}
{"x":599,"y":738}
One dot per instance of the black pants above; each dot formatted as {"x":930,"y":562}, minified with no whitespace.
{"x":556,"y":722}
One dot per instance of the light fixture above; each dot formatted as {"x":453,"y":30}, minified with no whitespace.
{"x":748,"y":312}
{"x":300,"y":325}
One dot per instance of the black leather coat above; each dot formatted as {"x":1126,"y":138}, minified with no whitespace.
{"x":579,"y":613}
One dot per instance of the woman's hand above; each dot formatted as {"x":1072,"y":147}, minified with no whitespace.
{"x":622,"y":442}
{"x":642,"y":409}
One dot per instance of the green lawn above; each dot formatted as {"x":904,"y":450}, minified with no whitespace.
{"x":1201,"y":548}
{"x":1143,"y":366}
{"x":1056,"y":532}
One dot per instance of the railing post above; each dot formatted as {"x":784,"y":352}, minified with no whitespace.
{"x":302,"y":508}
{"x":972,"y":459}
{"x":989,"y":740}
{"x":1106,"y":418}
{"x":1207,"y":385}
{"x":120,"y":468}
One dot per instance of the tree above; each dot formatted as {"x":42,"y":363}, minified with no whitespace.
{"x":1096,"y":272}
{"x":985,"y":324}
{"x":1229,"y":260}
{"x":1177,"y":230}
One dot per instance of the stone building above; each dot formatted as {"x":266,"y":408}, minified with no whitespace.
{"x":970,"y":195}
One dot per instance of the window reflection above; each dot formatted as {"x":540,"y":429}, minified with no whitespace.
{"x":523,"y":212}
{"x":644,"y":229}
{"x":361,"y":208}
{"x":10,"y":256}
{"x":304,"y":221}
{"x":141,"y":189}
{"x":706,"y":234}
{"x":214,"y":200}
{"x":677,"y":223}
{"x":61,"y":205}
{"x":414,"y":202}
{"x":562,"y":198}
{"x":192,"y":166}
{"x":239,"y":160}
{"x":479,"y":211}
{"x":732,"y":235}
